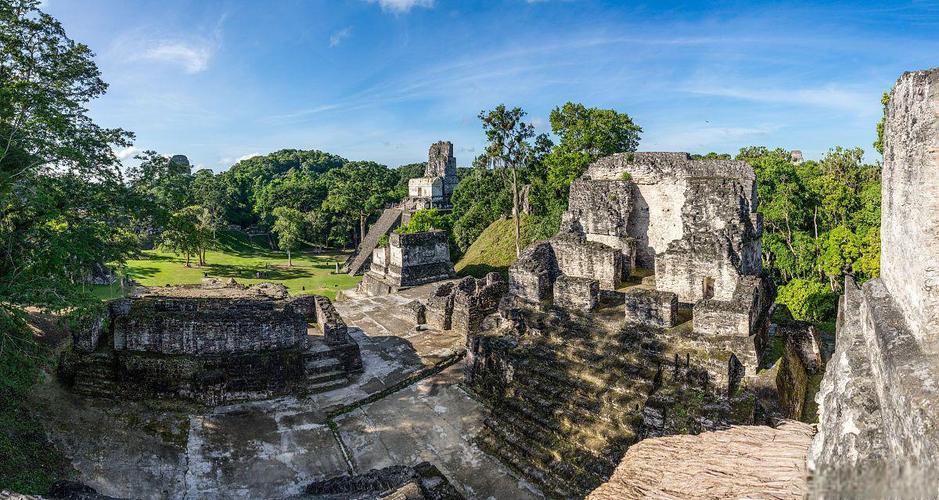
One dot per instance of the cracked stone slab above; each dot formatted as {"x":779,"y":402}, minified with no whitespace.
{"x":436,"y":421}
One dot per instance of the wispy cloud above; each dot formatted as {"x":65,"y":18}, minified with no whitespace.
{"x":191,"y":53}
{"x":231,"y":160}
{"x":402,"y":6}
{"x":338,"y":36}
{"x":829,"y":96}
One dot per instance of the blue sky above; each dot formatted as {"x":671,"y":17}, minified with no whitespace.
{"x":382,"y":79}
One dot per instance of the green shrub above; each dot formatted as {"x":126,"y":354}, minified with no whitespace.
{"x":808,"y":300}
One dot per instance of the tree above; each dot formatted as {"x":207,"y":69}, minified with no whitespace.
{"x":289,"y":224}
{"x":594,"y":131}
{"x":879,"y":142}
{"x":508,"y":149}
{"x":359,"y":188}
{"x":189,"y":232}
{"x":425,"y":219}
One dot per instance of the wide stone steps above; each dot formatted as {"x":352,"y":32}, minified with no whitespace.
{"x":529,"y":429}
{"x":327,"y":385}
{"x":549,"y":483}
{"x":386,"y":222}
{"x":95,"y":377}
{"x":322,"y":365}
{"x":570,"y":464}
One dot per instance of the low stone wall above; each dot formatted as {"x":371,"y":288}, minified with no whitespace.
{"x":579,"y":258}
{"x":205,"y":328}
{"x":745,"y":314}
{"x":580,"y":294}
{"x":475,"y":299}
{"x":532,"y":276}
{"x":651,"y":307}
{"x":419,"y":258}
{"x":329,"y":322}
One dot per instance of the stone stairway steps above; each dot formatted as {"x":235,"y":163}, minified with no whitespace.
{"x":328,"y":385}
{"x":520,"y":463}
{"x":386,"y":222}
{"x":95,"y":377}
{"x":322,"y":365}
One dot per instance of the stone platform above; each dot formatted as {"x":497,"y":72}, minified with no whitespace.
{"x":401,"y":410}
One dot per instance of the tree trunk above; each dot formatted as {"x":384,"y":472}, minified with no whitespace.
{"x":361,"y":228}
{"x":518,"y":248}
{"x":187,"y":260}
{"x":289,"y":260}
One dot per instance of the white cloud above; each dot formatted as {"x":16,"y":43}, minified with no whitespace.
{"x":402,"y":6}
{"x":823,"y":97}
{"x":127,"y":152}
{"x":245,"y":157}
{"x":192,"y":57}
{"x":337,"y":37}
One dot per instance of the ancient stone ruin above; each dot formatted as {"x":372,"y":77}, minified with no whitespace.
{"x":212,"y":343}
{"x":422,"y":481}
{"x":878,"y":434}
{"x":433,"y":190}
{"x":646,"y":315}
{"x":409,"y":260}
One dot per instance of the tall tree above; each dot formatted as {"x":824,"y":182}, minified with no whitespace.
{"x":359,"y":188}
{"x":289,"y":226}
{"x":508,"y":149}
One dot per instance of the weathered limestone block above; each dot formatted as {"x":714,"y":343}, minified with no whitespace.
{"x":600,"y":207}
{"x":419,"y":258}
{"x":802,"y":360}
{"x":659,"y":192}
{"x":719,"y":243}
{"x":532,"y":276}
{"x":579,"y":294}
{"x":579,"y":258}
{"x":745,"y":314}
{"x":87,"y":332}
{"x":329,"y":322}
{"x":417,"y":310}
{"x":910,"y":201}
{"x":380,"y":261}
{"x":471,"y":304}
{"x":304,"y":305}
{"x":439,"y":312}
{"x":651,"y":307}
{"x":426,"y":187}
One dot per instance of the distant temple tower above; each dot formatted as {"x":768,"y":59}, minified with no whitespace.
{"x":436,"y":187}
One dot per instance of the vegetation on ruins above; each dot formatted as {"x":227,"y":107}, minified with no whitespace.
{"x":425,"y":219}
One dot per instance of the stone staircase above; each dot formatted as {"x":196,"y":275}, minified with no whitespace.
{"x":574,"y":405}
{"x":324,"y":373}
{"x":390,"y":218}
{"x":95,"y":376}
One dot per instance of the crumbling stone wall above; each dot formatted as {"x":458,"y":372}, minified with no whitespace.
{"x":659,"y":182}
{"x":213,"y":343}
{"x":409,"y":260}
{"x":878,"y":397}
{"x":463,"y":305}
{"x":909,"y":226}
{"x":720,"y":242}
{"x":206,"y":326}
{"x":580,"y":258}
{"x":532,"y":276}
{"x":651,"y":307}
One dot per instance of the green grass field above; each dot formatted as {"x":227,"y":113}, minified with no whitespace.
{"x":494,"y":250}
{"x":241,"y":258}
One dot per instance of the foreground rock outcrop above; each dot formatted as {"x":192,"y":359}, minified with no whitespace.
{"x":879,"y":424}
{"x":741,"y":462}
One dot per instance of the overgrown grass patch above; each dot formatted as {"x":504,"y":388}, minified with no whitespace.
{"x":494,"y":250}
{"x":248,"y":261}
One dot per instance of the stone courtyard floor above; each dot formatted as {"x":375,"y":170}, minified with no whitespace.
{"x":407,"y":406}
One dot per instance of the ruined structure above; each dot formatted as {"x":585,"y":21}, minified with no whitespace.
{"x":664,"y":253}
{"x":433,"y":190}
{"x":879,"y":428}
{"x":409,"y":260}
{"x":422,"y":481}
{"x":212,"y":343}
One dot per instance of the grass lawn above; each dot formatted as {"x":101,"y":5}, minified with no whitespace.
{"x":241,"y":258}
{"x":494,"y":250}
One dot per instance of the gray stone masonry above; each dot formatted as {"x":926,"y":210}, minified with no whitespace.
{"x":329,"y":322}
{"x":579,"y":258}
{"x":409,"y":260}
{"x":659,"y":182}
{"x":439,"y":312}
{"x":651,"y":307}
{"x":532,"y":276}
{"x":580,"y":294}
{"x":744,"y":314}
{"x":878,"y":432}
{"x":909,"y":229}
